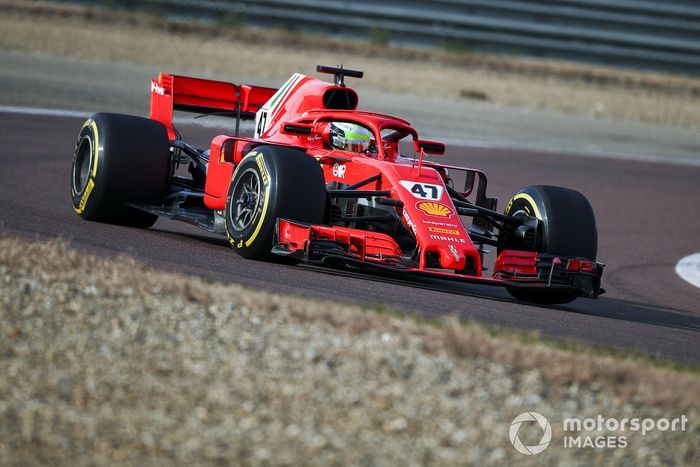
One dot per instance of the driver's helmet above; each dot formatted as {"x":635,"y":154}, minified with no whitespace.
{"x":351,"y":137}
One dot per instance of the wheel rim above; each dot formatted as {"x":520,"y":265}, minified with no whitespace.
{"x":82,"y":164}
{"x":245,"y":200}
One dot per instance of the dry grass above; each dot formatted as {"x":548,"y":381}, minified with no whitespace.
{"x":602,"y":92}
{"x":108,"y":361}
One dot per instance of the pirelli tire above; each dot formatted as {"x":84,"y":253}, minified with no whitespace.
{"x":567,"y":228}
{"x":272,"y":183}
{"x":119,"y":159}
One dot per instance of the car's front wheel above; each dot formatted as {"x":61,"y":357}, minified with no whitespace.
{"x":272,"y":183}
{"x":567,"y":228}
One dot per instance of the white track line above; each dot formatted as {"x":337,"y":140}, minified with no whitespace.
{"x":211,"y":122}
{"x":633,"y":157}
{"x":689,"y":269}
{"x":227,"y":123}
{"x":8,"y":109}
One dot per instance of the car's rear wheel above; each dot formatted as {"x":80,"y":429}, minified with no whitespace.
{"x":567,"y":228}
{"x":271,"y":183}
{"x":119,"y":159}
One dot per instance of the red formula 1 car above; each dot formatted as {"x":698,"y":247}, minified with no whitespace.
{"x":322,"y":182}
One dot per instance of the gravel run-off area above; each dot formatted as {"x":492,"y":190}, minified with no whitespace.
{"x":108,"y":361}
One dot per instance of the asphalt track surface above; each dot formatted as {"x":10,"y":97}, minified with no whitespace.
{"x":647,"y":213}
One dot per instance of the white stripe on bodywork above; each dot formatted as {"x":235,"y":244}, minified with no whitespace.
{"x":274,"y":104}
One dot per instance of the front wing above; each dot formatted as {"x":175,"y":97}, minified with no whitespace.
{"x":377,"y":252}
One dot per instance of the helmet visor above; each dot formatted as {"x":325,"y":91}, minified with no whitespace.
{"x":351,"y":138}
{"x":352,"y":144}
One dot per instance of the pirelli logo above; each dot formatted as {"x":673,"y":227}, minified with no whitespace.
{"x":86,"y":195}
{"x":263,"y":169}
{"x":442,"y":230}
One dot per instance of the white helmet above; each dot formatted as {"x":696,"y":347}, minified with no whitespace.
{"x":351,"y":137}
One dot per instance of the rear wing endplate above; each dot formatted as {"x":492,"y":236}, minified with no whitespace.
{"x":171,"y":92}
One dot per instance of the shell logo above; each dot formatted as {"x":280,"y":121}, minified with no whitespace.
{"x":432,"y":208}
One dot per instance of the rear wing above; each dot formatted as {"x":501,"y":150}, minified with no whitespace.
{"x":171,"y":92}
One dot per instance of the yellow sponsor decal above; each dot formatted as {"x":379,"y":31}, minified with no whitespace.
{"x":444,"y":231}
{"x":86,"y":195}
{"x":436,"y":209}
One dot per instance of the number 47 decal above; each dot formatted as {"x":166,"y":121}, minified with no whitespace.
{"x":262,"y":123}
{"x":423,"y":190}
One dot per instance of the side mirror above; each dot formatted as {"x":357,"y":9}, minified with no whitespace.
{"x":429,"y":147}
{"x":296,"y":128}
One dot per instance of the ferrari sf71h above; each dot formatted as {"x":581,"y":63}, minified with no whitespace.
{"x":322,"y":182}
